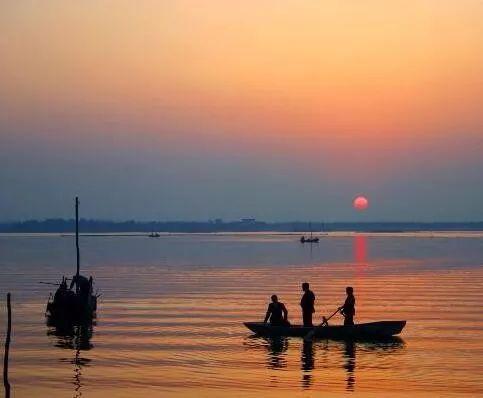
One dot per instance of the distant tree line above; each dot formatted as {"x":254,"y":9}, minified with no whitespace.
{"x":100,"y":226}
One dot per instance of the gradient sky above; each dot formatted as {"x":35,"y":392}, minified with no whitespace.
{"x":279,"y":110}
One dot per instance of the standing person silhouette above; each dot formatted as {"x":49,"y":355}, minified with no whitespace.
{"x":307,"y":304}
{"x":348,"y":309}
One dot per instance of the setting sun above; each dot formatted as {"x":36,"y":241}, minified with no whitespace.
{"x":360,"y":203}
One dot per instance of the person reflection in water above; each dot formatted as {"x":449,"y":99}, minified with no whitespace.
{"x":277,"y":347}
{"x":350,"y":364}
{"x":348,"y":309}
{"x":307,"y":304}
{"x":307,"y":363}
{"x":277,"y":313}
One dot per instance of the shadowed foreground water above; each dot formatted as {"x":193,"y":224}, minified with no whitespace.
{"x":171,"y":312}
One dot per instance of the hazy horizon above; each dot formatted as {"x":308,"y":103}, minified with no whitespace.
{"x":314,"y":222}
{"x":272,"y":110}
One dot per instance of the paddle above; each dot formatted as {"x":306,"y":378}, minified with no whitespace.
{"x":310,"y":334}
{"x":54,"y":284}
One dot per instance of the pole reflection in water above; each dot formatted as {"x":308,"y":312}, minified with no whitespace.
{"x":343,"y":352}
{"x":78,"y":339}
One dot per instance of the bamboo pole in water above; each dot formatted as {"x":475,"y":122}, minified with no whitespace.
{"x":7,"y":348}
{"x":77,"y":241}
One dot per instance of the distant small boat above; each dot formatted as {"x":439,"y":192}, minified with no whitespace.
{"x":303,"y":239}
{"x":154,"y":235}
{"x":371,"y":330}
{"x":311,"y":239}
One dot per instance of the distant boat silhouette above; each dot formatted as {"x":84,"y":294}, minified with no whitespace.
{"x":154,"y":235}
{"x":73,"y":306}
{"x":303,"y":239}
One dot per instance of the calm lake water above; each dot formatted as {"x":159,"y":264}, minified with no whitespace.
{"x":170,"y":316}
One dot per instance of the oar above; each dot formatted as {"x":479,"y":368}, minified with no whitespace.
{"x":54,"y":284}
{"x":310,"y":334}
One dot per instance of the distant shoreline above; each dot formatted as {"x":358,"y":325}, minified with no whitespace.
{"x":134,"y":228}
{"x":268,"y":235}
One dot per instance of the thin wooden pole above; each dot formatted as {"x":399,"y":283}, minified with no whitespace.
{"x":7,"y":348}
{"x":77,"y":240}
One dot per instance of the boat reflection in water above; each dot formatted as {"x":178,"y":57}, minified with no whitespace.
{"x":76,"y":338}
{"x":322,"y":354}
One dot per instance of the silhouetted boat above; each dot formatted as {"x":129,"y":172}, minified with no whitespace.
{"x":303,"y":239}
{"x":68,"y":305}
{"x":154,"y":235}
{"x":371,"y":330}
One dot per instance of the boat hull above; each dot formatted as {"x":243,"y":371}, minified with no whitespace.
{"x":371,"y":330}
{"x":72,"y":309}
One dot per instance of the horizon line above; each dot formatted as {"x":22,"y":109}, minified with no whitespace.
{"x":242,"y":221}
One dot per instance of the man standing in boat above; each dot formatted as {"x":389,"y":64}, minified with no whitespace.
{"x":277,"y":312}
{"x":348,"y":309}
{"x":307,"y":304}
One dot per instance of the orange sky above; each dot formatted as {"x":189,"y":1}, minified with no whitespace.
{"x":372,"y":80}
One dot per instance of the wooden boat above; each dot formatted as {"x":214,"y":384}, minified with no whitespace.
{"x":68,"y":305}
{"x":371,"y":330}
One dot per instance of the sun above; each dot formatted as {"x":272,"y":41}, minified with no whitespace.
{"x":360,"y":203}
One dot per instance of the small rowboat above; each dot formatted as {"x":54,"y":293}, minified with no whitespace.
{"x":371,"y":330}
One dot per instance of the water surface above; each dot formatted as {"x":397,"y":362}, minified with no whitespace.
{"x":170,"y":315}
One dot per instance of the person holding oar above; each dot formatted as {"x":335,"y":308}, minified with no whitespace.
{"x":347,"y":310}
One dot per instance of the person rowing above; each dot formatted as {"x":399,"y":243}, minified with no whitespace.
{"x":348,"y":310}
{"x":277,"y":313}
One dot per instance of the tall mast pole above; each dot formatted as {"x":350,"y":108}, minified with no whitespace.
{"x":77,"y":240}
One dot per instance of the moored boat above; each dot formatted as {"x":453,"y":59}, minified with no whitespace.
{"x":70,"y":305}
{"x":371,"y":330}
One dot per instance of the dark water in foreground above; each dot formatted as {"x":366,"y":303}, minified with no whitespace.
{"x":171,"y":313}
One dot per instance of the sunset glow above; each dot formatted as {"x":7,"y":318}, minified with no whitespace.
{"x":352,"y":96}
{"x":222,"y":199}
